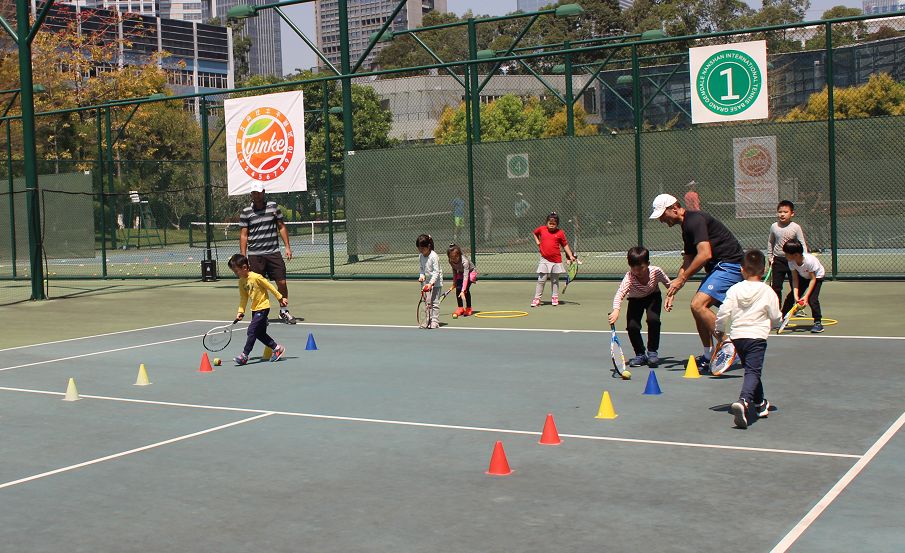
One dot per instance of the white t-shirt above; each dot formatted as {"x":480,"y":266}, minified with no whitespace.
{"x":809,"y":264}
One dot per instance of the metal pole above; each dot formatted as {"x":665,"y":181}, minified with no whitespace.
{"x":346,"y":82}
{"x":469,"y":156}
{"x":328,"y":155}
{"x":100,"y":174}
{"x":206,"y":171}
{"x":12,"y":196}
{"x":831,"y":144}
{"x":473,"y":71}
{"x":108,"y":129}
{"x":570,"y":97}
{"x":636,"y":111}
{"x":32,"y":204}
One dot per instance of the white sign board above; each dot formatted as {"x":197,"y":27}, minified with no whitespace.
{"x":265,"y":143}
{"x":729,"y":82}
{"x":756,"y":182}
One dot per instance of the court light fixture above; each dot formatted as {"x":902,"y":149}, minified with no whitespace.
{"x":242,"y":11}
{"x":387,"y":36}
{"x":569,"y":10}
{"x":653,"y":34}
{"x":485,"y":54}
{"x":157,"y":96}
{"x":336,"y":110}
{"x":624,"y":80}
{"x":38,"y":89}
{"x":559,"y":69}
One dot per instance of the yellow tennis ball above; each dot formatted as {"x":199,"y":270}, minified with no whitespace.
{"x":217,"y":361}
{"x":455,"y":316}
{"x":626,"y":375}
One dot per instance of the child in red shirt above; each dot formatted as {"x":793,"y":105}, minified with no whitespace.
{"x":549,"y":238}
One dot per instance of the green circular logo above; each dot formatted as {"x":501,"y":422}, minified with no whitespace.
{"x":729,"y":82}
{"x":518,"y":166}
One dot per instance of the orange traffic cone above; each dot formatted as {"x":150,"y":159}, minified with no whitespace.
{"x":205,"y":364}
{"x":499,"y":466}
{"x":549,"y":436}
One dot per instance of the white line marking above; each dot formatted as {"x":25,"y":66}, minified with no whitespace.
{"x":100,"y":352}
{"x":96,"y":336}
{"x":444,"y":426}
{"x":834,"y":492}
{"x":131,"y":451}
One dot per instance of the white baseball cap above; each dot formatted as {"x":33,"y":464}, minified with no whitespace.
{"x":661,"y":204}
{"x":257,"y":187}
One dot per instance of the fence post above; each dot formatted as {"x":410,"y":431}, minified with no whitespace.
{"x":476,"y":101}
{"x":12,"y":196}
{"x":101,"y":162}
{"x":831,"y":143}
{"x":469,"y":160}
{"x":570,"y":95}
{"x":108,"y":124}
{"x":636,"y":112}
{"x":328,"y":155}
{"x":206,"y":172}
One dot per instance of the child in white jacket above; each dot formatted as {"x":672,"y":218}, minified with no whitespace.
{"x":750,"y":310}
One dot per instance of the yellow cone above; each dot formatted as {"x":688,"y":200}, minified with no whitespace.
{"x":142,"y":379}
{"x":691,"y":369}
{"x":606,"y":410}
{"x":72,"y":393}
{"x":268,"y":353}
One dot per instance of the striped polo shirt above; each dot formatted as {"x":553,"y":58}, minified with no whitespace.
{"x":263,"y":238}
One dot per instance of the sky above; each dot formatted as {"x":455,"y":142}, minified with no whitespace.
{"x":297,"y":55}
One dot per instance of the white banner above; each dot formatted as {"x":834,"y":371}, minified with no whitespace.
{"x":756,"y":182}
{"x":728,"y":82}
{"x":265,"y":143}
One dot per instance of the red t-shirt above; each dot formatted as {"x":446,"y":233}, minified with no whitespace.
{"x":550,"y":243}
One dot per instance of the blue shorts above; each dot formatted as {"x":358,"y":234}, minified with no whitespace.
{"x":720,"y":279}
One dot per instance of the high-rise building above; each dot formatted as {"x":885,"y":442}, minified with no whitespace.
{"x":882,"y":6}
{"x":266,"y":55}
{"x":144,"y":7}
{"x":365,"y":18}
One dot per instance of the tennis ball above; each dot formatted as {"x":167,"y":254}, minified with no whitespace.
{"x":217,"y":361}
{"x":626,"y":375}
{"x":455,"y":316}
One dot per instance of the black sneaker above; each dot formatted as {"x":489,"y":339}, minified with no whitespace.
{"x":817,"y":328}
{"x":703,"y":364}
{"x":763,"y":409}
{"x":287,"y":318}
{"x":739,"y":410}
{"x":638,"y":361}
{"x":653,"y":360}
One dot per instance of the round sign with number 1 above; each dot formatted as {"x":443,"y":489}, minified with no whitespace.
{"x":728,"y":82}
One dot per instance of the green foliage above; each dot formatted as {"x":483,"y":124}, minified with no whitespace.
{"x":880,"y":96}
{"x":558,"y":124}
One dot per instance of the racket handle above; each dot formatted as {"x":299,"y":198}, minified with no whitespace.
{"x":236,"y":321}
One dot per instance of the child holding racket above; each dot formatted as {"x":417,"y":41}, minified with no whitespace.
{"x":749,"y":311}
{"x":807,"y":273}
{"x":431,"y":277}
{"x":464,"y":275}
{"x":783,"y":230}
{"x":256,"y":287}
{"x":549,"y":239}
{"x":642,"y":286}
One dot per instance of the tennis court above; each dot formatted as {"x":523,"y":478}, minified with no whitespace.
{"x":379,"y":440}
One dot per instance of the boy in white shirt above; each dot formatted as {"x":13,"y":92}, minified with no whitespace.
{"x":807,"y":273}
{"x":750,"y":309}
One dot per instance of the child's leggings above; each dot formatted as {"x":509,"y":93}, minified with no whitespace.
{"x":636,"y":310}
{"x":542,"y":280}
{"x":257,"y":330}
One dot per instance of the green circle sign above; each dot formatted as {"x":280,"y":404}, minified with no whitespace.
{"x":729,"y":82}
{"x":518,"y":165}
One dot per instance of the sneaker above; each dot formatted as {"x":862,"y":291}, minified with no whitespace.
{"x":653,"y":360}
{"x":703,"y":363}
{"x":241,"y":359}
{"x":277,"y":353}
{"x":287,"y":318}
{"x":739,"y":410}
{"x":763,"y":409}
{"x":554,"y":300}
{"x":424,"y":324}
{"x":459,"y":312}
{"x":535,"y":302}
{"x":817,"y":328}
{"x":469,"y":312}
{"x":637,"y":361}
{"x":434,"y":324}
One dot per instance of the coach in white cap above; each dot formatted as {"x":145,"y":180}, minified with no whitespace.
{"x":708,"y":244}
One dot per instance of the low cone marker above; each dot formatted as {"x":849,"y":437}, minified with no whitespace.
{"x":653,"y":387}
{"x":142,"y":379}
{"x":311,"y":345}
{"x":205,"y":364}
{"x":549,"y":436}
{"x":691,"y":369}
{"x":268,"y":353}
{"x":72,"y":393}
{"x":606,"y":410}
{"x":499,"y":466}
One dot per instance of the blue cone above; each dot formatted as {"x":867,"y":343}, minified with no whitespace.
{"x":311,"y":346}
{"x":653,"y":387}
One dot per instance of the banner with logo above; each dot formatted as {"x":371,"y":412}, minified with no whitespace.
{"x":756,"y":182}
{"x":728,"y":82}
{"x":265,"y":143}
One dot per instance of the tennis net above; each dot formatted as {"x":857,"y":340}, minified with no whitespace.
{"x":301,"y":233}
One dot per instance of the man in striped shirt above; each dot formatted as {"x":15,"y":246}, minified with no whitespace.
{"x":259,"y":225}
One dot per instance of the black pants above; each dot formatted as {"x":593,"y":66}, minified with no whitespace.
{"x":751,"y":351}
{"x":257,"y":330}
{"x":636,"y":308}
{"x":781,"y":274}
{"x":814,"y":299}
{"x":467,"y":293}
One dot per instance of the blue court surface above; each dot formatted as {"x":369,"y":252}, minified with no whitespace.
{"x":379,"y":441}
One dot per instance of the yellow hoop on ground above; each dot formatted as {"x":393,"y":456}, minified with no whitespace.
{"x":825,"y":321}
{"x":501,"y":314}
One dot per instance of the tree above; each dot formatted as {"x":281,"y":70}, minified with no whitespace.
{"x":843,"y":33}
{"x":880,"y":96}
{"x":557,"y":125}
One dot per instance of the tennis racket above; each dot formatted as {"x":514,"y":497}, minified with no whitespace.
{"x":444,"y":294}
{"x":616,"y":354}
{"x":570,"y":275}
{"x":423,"y":312}
{"x":723,"y":356}
{"x":217,"y":338}
{"x":788,"y":317}
{"x":768,"y":275}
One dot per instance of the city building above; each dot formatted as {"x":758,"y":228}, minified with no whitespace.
{"x":872,"y":7}
{"x":266,"y":55}
{"x":535,"y":5}
{"x":365,"y":18}
{"x":145,"y":7}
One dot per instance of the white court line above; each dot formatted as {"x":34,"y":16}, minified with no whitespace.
{"x":131,"y":451}
{"x":446,"y":426}
{"x":100,"y":352}
{"x":96,"y":336}
{"x":834,"y":492}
